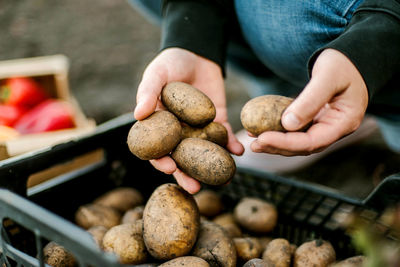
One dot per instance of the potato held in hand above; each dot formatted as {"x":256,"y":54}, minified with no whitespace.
{"x":189,"y":104}
{"x":214,"y":132}
{"x":264,"y":113}
{"x":205,"y":161}
{"x":171,"y":222}
{"x":154,"y":136}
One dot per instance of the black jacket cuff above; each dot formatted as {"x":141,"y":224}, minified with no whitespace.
{"x":196,"y":26}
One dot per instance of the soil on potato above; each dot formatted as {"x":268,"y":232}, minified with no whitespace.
{"x":109,"y":44}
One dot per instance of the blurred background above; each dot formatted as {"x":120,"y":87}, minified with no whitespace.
{"x":109,"y":44}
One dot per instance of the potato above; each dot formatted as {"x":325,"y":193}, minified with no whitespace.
{"x":279,"y":252}
{"x":256,"y":215}
{"x":133,"y":215}
{"x":145,"y":265}
{"x":98,"y":233}
{"x":314,"y":253}
{"x":264,"y":113}
{"x":126,"y":242}
{"x":90,"y":215}
{"x":205,"y":161}
{"x":232,"y":230}
{"x":155,"y":136}
{"x":247,"y":248}
{"x":215,"y":246}
{"x":258,"y":263}
{"x":209,"y":203}
{"x":57,"y":256}
{"x":214,"y":132}
{"x":227,"y":221}
{"x":171,"y":222}
{"x":189,"y":261}
{"x":189,"y":104}
{"x":121,"y":198}
{"x":224,"y":219}
{"x":356,"y":261}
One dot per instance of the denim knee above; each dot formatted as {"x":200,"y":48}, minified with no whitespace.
{"x":284,"y":34}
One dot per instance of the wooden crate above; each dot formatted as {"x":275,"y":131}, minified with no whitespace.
{"x":51,"y":72}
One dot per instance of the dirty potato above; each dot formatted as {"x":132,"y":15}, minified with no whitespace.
{"x":215,"y":246}
{"x":121,"y":198}
{"x":189,"y":261}
{"x":256,"y":215}
{"x":278,"y":251}
{"x":264,"y":113}
{"x":133,"y":215}
{"x":356,"y":261}
{"x":171,"y":222}
{"x":247,"y":248}
{"x":209,"y":203}
{"x":90,"y":215}
{"x":205,"y":161}
{"x":214,"y":132}
{"x":98,"y":233}
{"x":227,"y":221}
{"x":155,"y":136}
{"x":258,"y":263}
{"x":189,"y":104}
{"x":224,"y":219}
{"x":126,"y":242}
{"x":57,"y":256}
{"x":314,"y":253}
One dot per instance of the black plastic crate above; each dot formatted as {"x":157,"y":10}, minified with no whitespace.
{"x":46,"y":212}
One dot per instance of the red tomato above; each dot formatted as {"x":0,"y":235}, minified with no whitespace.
{"x":47,"y":116}
{"x":10,"y":114}
{"x":22,"y":91}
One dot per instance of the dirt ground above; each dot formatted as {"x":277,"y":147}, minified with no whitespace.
{"x":109,"y":44}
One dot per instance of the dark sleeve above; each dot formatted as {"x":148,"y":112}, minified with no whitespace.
{"x":372,"y":42}
{"x":198,"y":26}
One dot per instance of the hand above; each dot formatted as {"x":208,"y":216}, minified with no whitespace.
{"x":176,"y":64}
{"x":335,"y":100}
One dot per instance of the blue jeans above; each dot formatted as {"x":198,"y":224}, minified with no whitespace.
{"x":278,"y":38}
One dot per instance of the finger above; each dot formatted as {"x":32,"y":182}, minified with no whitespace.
{"x":316,"y":139}
{"x":251,"y":135}
{"x":186,"y":182}
{"x":234,"y":146}
{"x":149,"y":91}
{"x":306,"y":106}
{"x":165,"y":164}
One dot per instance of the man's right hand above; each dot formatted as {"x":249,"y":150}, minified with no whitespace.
{"x":177,"y":64}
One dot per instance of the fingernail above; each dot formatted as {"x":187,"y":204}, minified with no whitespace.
{"x":138,"y":107}
{"x":290,"y":121}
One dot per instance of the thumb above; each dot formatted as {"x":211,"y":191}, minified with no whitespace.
{"x":306,"y":106}
{"x":148,"y":93}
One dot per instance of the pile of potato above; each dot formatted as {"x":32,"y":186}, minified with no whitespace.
{"x":187,"y":132}
{"x":175,"y":228}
